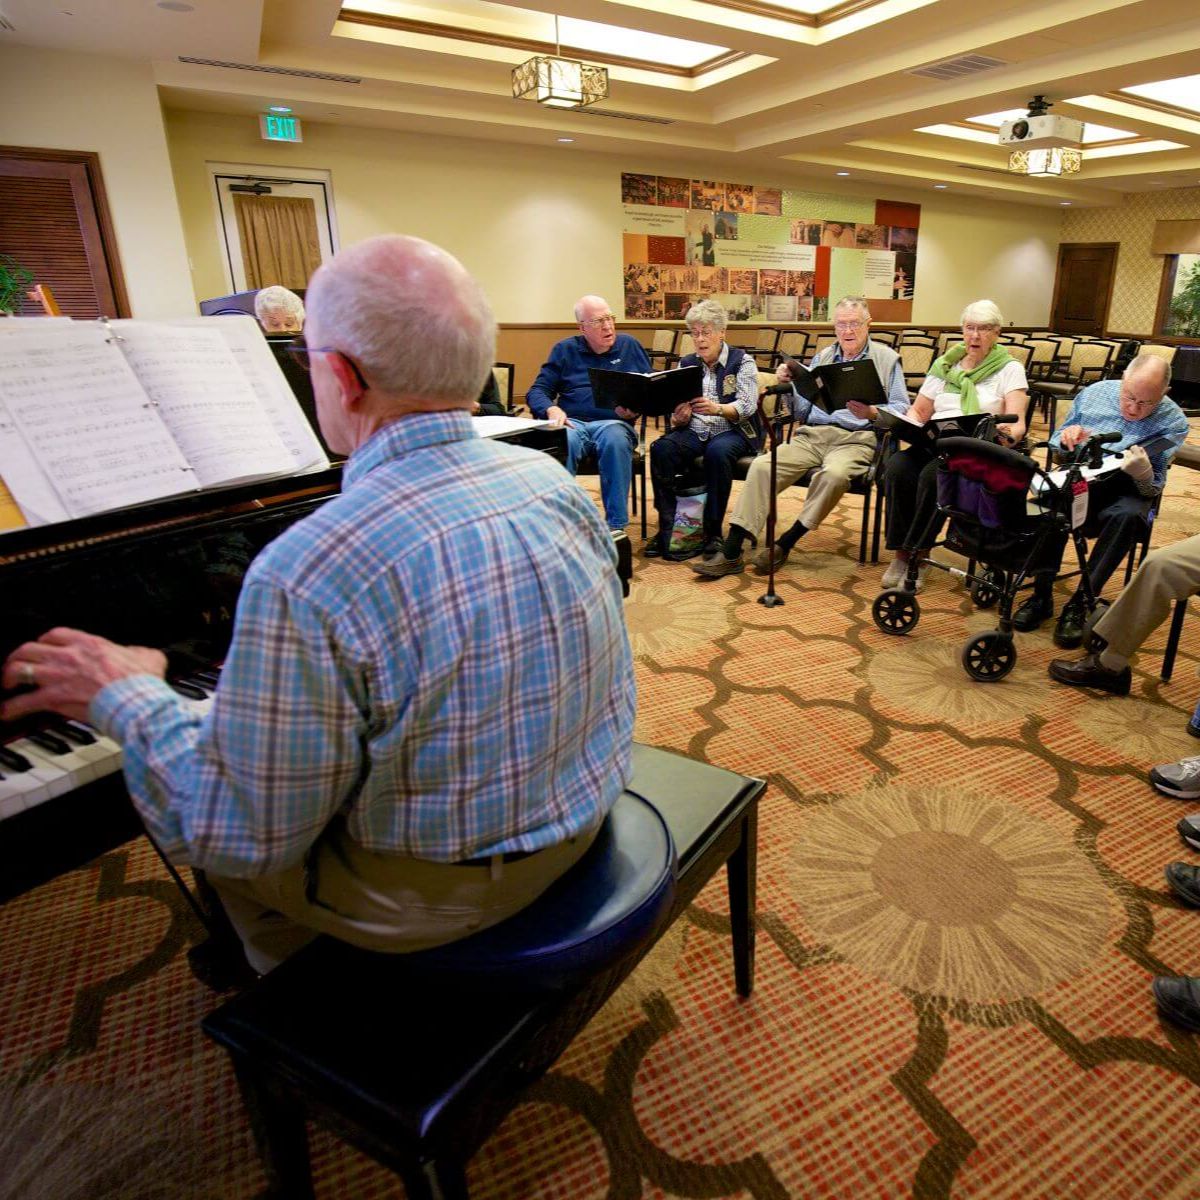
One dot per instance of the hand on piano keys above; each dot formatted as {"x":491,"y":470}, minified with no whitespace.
{"x":64,"y":669}
{"x":55,"y":756}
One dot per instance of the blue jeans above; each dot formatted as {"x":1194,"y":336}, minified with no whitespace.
{"x":612,"y":443}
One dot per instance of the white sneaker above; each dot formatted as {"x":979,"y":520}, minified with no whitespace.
{"x":1179,"y":779}
{"x":922,"y":571}
{"x":893,"y":577}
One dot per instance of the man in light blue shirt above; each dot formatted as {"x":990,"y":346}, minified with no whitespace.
{"x":427,"y":706}
{"x":838,"y":446}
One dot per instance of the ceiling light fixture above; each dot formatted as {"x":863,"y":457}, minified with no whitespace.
{"x":1045,"y":164}
{"x":279,"y":108}
{"x":565,"y":139}
{"x":843,"y":172}
{"x":940,"y":187}
{"x":559,"y":82}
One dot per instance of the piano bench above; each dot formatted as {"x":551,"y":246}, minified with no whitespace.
{"x":416,"y":1059}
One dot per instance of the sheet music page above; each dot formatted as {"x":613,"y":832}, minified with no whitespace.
{"x":205,"y":400}
{"x":245,"y":339}
{"x":78,"y":435}
{"x":498,"y":426}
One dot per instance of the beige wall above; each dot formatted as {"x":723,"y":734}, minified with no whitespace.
{"x":540,"y":226}
{"x":1139,"y":273}
{"x":108,"y":106}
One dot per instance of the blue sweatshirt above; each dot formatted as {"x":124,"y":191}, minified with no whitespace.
{"x":563,"y":380}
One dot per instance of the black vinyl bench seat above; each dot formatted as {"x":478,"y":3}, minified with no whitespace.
{"x":416,"y":1067}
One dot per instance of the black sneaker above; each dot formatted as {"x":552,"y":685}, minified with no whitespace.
{"x":1068,"y":633}
{"x":1032,"y":613}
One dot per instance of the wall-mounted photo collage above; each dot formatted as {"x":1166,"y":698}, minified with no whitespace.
{"x":767,"y":254}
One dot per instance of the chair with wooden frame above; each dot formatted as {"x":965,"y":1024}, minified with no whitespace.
{"x":660,"y":350}
{"x":793,"y":343}
{"x":822,"y":340}
{"x":885,"y":337}
{"x":915,"y":360}
{"x":762,"y":349}
{"x":1088,"y":363}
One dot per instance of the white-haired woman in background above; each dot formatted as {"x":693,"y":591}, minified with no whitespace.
{"x":278,"y":310}
{"x":973,"y":376}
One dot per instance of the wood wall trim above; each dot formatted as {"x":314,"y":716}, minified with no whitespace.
{"x":90,"y":161}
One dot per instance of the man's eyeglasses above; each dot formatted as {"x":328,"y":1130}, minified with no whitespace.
{"x":599,"y":322}
{"x":847,"y":326}
{"x":300,"y":352}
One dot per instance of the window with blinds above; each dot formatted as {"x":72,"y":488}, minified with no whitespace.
{"x":54,"y":222}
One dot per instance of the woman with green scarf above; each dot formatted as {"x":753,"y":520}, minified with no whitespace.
{"x":973,"y":376}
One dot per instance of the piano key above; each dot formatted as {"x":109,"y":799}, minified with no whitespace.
{"x":43,"y":781}
{"x":77,"y":768}
{"x":49,"y":741}
{"x":14,"y":761}
{"x":74,"y":731}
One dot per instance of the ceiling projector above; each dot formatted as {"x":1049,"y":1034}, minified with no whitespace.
{"x":1040,"y":132}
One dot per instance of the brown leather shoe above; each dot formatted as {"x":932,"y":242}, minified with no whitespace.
{"x":762,"y":558}
{"x":1088,"y":672}
{"x":716,"y":565}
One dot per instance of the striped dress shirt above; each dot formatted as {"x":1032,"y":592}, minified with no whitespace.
{"x":438,"y":654}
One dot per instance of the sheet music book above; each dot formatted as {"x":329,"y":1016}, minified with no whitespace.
{"x":97,"y":416}
{"x":943,"y":425}
{"x":831,"y":385}
{"x":652,"y":393}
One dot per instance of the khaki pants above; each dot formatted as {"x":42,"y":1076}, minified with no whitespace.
{"x":1167,"y":575}
{"x":840,"y":455}
{"x":383,"y":901}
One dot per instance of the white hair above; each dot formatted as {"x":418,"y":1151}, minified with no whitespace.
{"x":276,"y":299}
{"x":982,"y":312}
{"x":859,"y":302}
{"x":707,"y":312}
{"x":1144,"y":362}
{"x":409,"y":314}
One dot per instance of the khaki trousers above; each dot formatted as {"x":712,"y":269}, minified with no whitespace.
{"x":383,"y":901}
{"x":1167,"y":575}
{"x":838,"y":455}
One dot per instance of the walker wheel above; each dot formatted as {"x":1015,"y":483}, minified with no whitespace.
{"x":989,"y":656}
{"x":986,"y":590}
{"x":896,"y":611}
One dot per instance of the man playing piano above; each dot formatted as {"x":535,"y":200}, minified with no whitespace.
{"x":427,"y":706}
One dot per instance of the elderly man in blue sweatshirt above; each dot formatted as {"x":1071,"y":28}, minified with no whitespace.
{"x":562,"y":394}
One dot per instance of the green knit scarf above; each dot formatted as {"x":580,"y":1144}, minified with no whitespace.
{"x":964,"y":382}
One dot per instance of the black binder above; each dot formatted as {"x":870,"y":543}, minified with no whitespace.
{"x":652,"y":393}
{"x":833,"y":384}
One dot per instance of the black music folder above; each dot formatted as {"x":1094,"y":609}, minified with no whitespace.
{"x":650,"y":393}
{"x":833,"y":384}
{"x":952,"y":425}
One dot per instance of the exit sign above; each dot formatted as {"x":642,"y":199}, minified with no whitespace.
{"x":277,"y":128}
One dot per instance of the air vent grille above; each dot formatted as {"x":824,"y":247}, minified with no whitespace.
{"x":955,"y":68}
{"x":295,"y":72}
{"x":621,"y":116}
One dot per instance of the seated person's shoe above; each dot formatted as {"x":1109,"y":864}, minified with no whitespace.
{"x":713,"y":546}
{"x":1184,"y":881}
{"x":1068,"y":633}
{"x":893,"y":577}
{"x":715,"y":565}
{"x":1178,"y":779}
{"x":654,"y":547}
{"x":1032,"y":613}
{"x":1088,"y":672}
{"x":762,"y":558}
{"x":1178,"y":1000}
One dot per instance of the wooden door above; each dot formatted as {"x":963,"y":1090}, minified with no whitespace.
{"x":1083,"y":287}
{"x":54,"y":222}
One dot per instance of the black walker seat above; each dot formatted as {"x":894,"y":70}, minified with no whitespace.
{"x":417,"y":1058}
{"x":984,"y":490}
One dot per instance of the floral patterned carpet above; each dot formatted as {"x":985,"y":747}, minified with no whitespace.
{"x":960,"y":908}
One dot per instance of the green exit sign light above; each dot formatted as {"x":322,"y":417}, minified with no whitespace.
{"x":278,"y":128}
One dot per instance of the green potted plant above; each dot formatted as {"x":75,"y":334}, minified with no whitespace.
{"x":14,"y":280}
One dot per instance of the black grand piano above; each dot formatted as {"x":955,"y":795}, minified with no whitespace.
{"x":166,"y":575}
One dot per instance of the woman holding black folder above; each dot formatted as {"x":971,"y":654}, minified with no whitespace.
{"x":973,"y":376}
{"x":719,"y":426}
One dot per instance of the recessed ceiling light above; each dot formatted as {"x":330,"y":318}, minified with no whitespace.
{"x":279,"y":108}
{"x":565,"y":139}
{"x":941,"y":187}
{"x":175,"y":5}
{"x":1065,"y":203}
{"x":843,"y":172}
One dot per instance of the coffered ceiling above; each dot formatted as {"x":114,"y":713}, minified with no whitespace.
{"x":889,"y":91}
